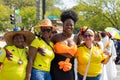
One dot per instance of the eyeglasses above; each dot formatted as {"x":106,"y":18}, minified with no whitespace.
{"x":47,"y":30}
{"x":85,"y":36}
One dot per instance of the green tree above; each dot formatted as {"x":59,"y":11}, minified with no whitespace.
{"x":112,"y":12}
{"x":18,"y":4}
{"x":4,"y":17}
{"x":28,"y":17}
{"x":98,"y":13}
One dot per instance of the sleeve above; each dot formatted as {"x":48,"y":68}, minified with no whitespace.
{"x":2,"y":55}
{"x":35,"y":43}
{"x":59,"y":47}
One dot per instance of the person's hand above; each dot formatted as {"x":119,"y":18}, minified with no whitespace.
{"x":107,"y":52}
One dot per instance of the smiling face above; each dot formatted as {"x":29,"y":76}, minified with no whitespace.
{"x":68,"y":26}
{"x":46,"y":32}
{"x":88,"y":37}
{"x":19,"y":40}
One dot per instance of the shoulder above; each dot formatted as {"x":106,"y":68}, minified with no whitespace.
{"x":81,"y":45}
{"x":36,"y":40}
{"x":9,"y":47}
{"x":56,"y":37}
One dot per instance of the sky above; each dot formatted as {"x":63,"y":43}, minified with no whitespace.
{"x":67,"y":4}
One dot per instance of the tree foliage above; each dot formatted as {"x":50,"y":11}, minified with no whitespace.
{"x":4,"y":18}
{"x":28,"y":17}
{"x":97,"y":14}
{"x":18,"y":4}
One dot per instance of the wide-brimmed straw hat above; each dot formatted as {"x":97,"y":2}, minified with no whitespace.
{"x":28,"y":35}
{"x":44,"y":23}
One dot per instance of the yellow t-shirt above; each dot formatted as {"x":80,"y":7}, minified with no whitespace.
{"x":11,"y":70}
{"x":83,"y":56}
{"x":44,"y":55}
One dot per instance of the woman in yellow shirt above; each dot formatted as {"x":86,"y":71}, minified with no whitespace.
{"x":41,"y":53}
{"x":90,"y":57}
{"x":13,"y":57}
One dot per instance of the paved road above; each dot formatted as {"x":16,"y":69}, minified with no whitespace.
{"x":118,"y":73}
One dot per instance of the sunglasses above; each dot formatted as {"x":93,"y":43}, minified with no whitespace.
{"x":46,"y":30}
{"x":85,"y":36}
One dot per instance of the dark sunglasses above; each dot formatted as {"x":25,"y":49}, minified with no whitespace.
{"x":85,"y":36}
{"x":46,"y":30}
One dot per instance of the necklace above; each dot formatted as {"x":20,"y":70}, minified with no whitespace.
{"x":20,"y":61}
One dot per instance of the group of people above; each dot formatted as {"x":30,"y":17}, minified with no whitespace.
{"x":52,"y":57}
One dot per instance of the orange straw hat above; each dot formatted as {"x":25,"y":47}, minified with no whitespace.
{"x":44,"y":23}
{"x":9,"y":36}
